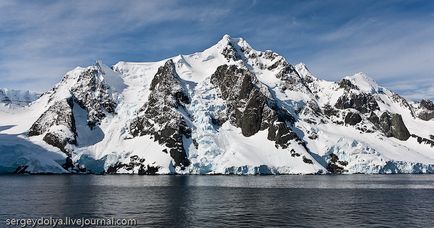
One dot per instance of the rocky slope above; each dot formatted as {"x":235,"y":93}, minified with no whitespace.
{"x":227,"y":110}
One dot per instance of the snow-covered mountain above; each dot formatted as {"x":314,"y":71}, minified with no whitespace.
{"x":10,"y":97}
{"x":227,"y":110}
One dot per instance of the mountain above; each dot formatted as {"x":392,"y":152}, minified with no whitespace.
{"x":227,"y":110}
{"x":10,"y":97}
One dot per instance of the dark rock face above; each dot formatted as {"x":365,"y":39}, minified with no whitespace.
{"x":249,"y":108}
{"x":290,"y":78}
{"x":281,"y":134}
{"x":149,"y":170}
{"x":312,"y":109}
{"x":230,"y":52}
{"x":307,"y":160}
{"x":231,"y":78}
{"x":294,"y":154}
{"x":374,"y":119}
{"x":288,"y":72}
{"x":427,"y":104}
{"x":250,"y":121}
{"x":362,"y":102}
{"x":72,"y":167}
{"x":68,"y":163}
{"x":329,"y":111}
{"x":426,"y":115}
{"x":393,"y":126}
{"x":160,"y":116}
{"x":93,"y":95}
{"x":421,"y":140}
{"x":347,"y":85}
{"x":399,"y":130}
{"x":427,"y":110}
{"x":335,"y":166}
{"x":135,"y":162}
{"x":114,"y":168}
{"x":59,"y":114}
{"x":353,"y":118}
{"x":385,"y":124}
{"x":58,"y":140}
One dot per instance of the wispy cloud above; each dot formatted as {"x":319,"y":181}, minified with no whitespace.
{"x":390,"y":40}
{"x":42,"y":40}
{"x":408,"y":53}
{"x":414,"y":89}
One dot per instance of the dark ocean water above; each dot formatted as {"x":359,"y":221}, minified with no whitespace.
{"x":216,"y":201}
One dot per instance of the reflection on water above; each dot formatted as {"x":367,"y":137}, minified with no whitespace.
{"x":349,"y":200}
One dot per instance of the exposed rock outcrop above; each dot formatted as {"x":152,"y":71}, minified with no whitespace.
{"x":362,"y":102}
{"x":426,"y":115}
{"x":347,"y":85}
{"x":92,"y":94}
{"x":393,"y":126}
{"x":251,"y":107}
{"x":68,"y":163}
{"x":230,"y":52}
{"x":60,"y":139}
{"x":59,"y":125}
{"x":427,"y":104}
{"x":427,"y":110}
{"x":291,"y":79}
{"x":329,"y":111}
{"x":352,"y":118}
{"x":135,"y":165}
{"x":374,"y":119}
{"x":335,"y":166}
{"x":421,"y":140}
{"x":161,"y":116}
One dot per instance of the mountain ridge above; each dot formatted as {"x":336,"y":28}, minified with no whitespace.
{"x":227,"y":110}
{"x":13,"y":97}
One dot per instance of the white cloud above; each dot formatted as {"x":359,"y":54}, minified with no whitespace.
{"x":413,"y":88}
{"x":43,"y":41}
{"x":46,"y":40}
{"x":385,"y":52}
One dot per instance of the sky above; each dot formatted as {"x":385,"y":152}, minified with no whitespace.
{"x":391,"y":41}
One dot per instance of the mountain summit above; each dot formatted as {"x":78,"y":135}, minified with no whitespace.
{"x":227,"y":110}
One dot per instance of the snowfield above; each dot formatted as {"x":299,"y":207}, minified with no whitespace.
{"x":269,"y":117}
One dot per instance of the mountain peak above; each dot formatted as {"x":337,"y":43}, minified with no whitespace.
{"x":234,"y":42}
{"x":364,"y":82}
{"x":304,"y":71}
{"x":226,"y":37}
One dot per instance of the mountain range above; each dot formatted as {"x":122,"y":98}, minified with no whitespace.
{"x":229,"y":109}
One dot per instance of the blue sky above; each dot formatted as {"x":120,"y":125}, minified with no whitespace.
{"x":392,"y":41}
